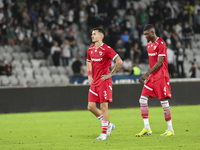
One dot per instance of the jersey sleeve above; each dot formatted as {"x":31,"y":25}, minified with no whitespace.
{"x":88,"y":55}
{"x":111,"y":53}
{"x":162,"y":49}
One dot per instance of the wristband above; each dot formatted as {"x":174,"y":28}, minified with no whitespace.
{"x":89,"y":73}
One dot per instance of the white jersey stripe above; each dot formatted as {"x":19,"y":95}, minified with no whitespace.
{"x":93,"y":92}
{"x":148,"y":88}
{"x":110,"y":87}
{"x":161,"y":55}
{"x":115,"y":56}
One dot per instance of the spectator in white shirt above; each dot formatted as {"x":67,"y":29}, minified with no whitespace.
{"x":66,"y":52}
{"x":55,"y":53}
{"x":127,"y":65}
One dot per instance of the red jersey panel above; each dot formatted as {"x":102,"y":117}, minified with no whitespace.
{"x":101,"y":60}
{"x":155,"y":49}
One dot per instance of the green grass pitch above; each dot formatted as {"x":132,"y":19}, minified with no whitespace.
{"x":77,"y":130}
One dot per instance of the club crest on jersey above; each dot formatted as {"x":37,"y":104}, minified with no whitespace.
{"x":100,"y":52}
{"x":155,"y":47}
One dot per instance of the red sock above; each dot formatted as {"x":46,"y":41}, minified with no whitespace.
{"x":167,"y":110}
{"x":105,"y":126}
{"x":144,"y":107}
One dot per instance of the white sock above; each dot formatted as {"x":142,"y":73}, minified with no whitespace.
{"x":100,"y":118}
{"x":146,"y":124}
{"x":169,"y":124}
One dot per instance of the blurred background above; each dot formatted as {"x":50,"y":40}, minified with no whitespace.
{"x":45,"y":42}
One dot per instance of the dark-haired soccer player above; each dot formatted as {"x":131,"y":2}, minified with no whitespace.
{"x":156,"y":81}
{"x":99,"y":58}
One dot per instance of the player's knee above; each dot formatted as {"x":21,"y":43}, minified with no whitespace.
{"x":90,"y":107}
{"x":143,"y":100}
{"x":103,"y":108}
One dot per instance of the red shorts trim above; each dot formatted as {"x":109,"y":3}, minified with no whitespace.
{"x":101,"y":93}
{"x":160,"y":88}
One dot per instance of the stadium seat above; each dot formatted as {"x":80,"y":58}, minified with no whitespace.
{"x":39,"y":79}
{"x":26,"y":63}
{"x":24,"y":56}
{"x":64,"y":78}
{"x":28,"y":71}
{"x":69,"y":71}
{"x":17,"y":64}
{"x":22,"y":81}
{"x":7,"y":57}
{"x":53,"y":70}
{"x":37,"y":71}
{"x":4,"y":80}
{"x":8,"y":49}
{"x":16,"y":48}
{"x":16,"y":56}
{"x":2,"y":50}
{"x":13,"y":80}
{"x":1,"y":57}
{"x":62,"y":70}
{"x":35,"y":62}
{"x":45,"y":70}
{"x":19,"y":72}
{"x":47,"y":79}
{"x":56,"y":78}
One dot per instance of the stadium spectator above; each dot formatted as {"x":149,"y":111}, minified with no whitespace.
{"x":8,"y":69}
{"x":187,"y":35}
{"x":77,"y":67}
{"x":125,"y":37}
{"x":55,"y":53}
{"x":137,"y":53}
{"x":66,"y":52}
{"x":135,"y":70}
{"x":72,"y":43}
{"x":48,"y":43}
{"x":170,"y":59}
{"x":119,"y":48}
{"x":2,"y":68}
{"x":37,"y":46}
{"x":4,"y":32}
{"x":197,"y":22}
{"x":128,"y":47}
{"x":188,"y":7}
{"x":193,"y":71}
{"x":127,"y":65}
{"x":143,"y":17}
{"x":180,"y":57}
{"x":132,"y":8}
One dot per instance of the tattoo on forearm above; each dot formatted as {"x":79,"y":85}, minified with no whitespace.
{"x":116,"y":67}
{"x":154,"y":68}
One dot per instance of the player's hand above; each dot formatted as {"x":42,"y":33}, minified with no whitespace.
{"x":90,"y":79}
{"x":143,"y":78}
{"x":104,"y":77}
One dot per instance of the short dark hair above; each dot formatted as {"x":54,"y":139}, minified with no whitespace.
{"x":148,"y":27}
{"x":100,"y":30}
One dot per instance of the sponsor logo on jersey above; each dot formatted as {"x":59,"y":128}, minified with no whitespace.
{"x":100,"y":52}
{"x":151,"y":45}
{"x":91,"y":52}
{"x":98,"y":59}
{"x":155,"y":47}
{"x":152,"y":54}
{"x":148,"y":46}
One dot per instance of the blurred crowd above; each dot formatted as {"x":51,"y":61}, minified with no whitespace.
{"x":46,"y":27}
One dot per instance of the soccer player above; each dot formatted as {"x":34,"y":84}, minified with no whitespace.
{"x":156,"y":81}
{"x":99,"y":58}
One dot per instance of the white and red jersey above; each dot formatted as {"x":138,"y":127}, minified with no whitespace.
{"x":101,"y":60}
{"x":155,"y":49}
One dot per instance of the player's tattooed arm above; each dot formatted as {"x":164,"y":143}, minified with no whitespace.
{"x":118,"y":63}
{"x":154,"y":68}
